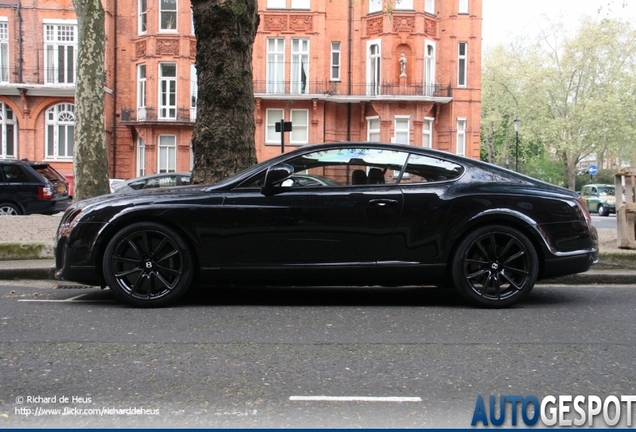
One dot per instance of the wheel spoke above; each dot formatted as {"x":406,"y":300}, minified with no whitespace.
{"x":168,"y":255}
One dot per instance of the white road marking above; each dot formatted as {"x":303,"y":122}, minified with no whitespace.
{"x":72,"y":299}
{"x":356,"y":398}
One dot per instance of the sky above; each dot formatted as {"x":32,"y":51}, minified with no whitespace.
{"x":506,"y":19}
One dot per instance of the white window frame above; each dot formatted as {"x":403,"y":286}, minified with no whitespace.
{"x":299,"y":134}
{"x":336,"y":54}
{"x":142,"y":17}
{"x":462,"y":64}
{"x":168,"y":17}
{"x":461,"y":136}
{"x":9,"y":127}
{"x":429,"y":6}
{"x":275,"y":65}
{"x":373,"y":128}
{"x":194,"y":92}
{"x":299,"y":66}
{"x":60,"y":36}
{"x":462,"y":7}
{"x":273,"y":116}
{"x":375,"y":6}
{"x":167,"y":93}
{"x":427,"y":132}
{"x":402,"y":128}
{"x":140,"y":168}
{"x":374,"y":68}
{"x":141,"y":91}
{"x":430,"y":54}
{"x":4,"y":50}
{"x":166,"y":153}
{"x":59,"y":132}
{"x":403,"y":5}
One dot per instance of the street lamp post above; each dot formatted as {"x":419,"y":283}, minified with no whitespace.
{"x":517,"y":124}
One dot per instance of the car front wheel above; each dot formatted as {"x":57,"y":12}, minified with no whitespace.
{"x":7,"y":209}
{"x":495,"y":266}
{"x":603,"y":211}
{"x":148,"y":265}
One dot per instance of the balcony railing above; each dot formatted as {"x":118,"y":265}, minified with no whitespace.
{"x":151,"y":114}
{"x":331,"y":88}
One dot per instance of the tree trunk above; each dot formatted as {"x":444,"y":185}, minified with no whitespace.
{"x":223,"y":137}
{"x":89,"y":154}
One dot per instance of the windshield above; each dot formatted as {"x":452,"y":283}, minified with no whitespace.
{"x":606,"y":190}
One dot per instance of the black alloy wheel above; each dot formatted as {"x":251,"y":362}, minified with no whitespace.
{"x":8,"y":209}
{"x":495,"y":266}
{"x":148,"y":265}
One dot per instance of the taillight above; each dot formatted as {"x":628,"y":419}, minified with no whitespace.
{"x":583,"y":209}
{"x":45,"y":193}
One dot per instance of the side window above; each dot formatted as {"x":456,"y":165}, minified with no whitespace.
{"x":425,"y":169}
{"x":14,"y":174}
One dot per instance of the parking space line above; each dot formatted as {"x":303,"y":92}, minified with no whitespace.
{"x":355,"y":398}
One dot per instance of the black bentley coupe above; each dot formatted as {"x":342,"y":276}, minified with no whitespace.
{"x":354,"y":214}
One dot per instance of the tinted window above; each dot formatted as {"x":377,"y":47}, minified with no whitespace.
{"x":48,"y":173}
{"x":14,"y":174}
{"x":424,"y":169}
{"x":161,"y":182}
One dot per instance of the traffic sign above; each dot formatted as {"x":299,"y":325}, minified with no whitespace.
{"x":592,"y":170}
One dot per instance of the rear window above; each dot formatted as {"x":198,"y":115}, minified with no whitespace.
{"x":48,"y":173}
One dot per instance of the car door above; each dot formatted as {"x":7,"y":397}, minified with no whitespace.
{"x":325,"y":223}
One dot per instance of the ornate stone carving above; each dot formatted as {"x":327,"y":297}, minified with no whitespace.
{"x":430,"y":27}
{"x":374,"y":25}
{"x":301,"y":22}
{"x":140,"y":49}
{"x":403,"y":23}
{"x":275,"y":22}
{"x":168,"y":46}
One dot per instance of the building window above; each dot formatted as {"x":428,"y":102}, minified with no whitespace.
{"x":194,"y":92}
{"x":375,"y":6}
{"x":167,"y":154}
{"x":335,"y":61}
{"x":429,"y":68}
{"x":168,"y":15}
{"x":60,"y":130}
{"x":403,"y":5}
{"x":273,"y":116}
{"x":300,"y":127}
{"x":300,"y":66}
{"x":373,"y":68}
{"x":463,"y":6}
{"x":4,"y":51}
{"x":402,"y":130}
{"x":141,"y":157}
{"x":60,"y":53}
{"x":191,"y":156}
{"x":373,"y":129}
{"x":167,"y":90}
{"x":141,"y":92}
{"x":9,"y":149}
{"x":429,"y":6}
{"x":276,"y":4}
{"x":275,"y":65}
{"x":462,"y":64}
{"x":300,"y":4}
{"x":461,"y":136}
{"x":142,"y":17}
{"x":427,"y":132}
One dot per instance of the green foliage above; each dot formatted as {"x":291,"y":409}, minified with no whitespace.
{"x":603,"y":177}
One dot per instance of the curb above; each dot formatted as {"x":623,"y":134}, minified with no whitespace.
{"x":26,"y":250}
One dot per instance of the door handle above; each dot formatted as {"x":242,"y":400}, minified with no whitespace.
{"x":383,"y":202}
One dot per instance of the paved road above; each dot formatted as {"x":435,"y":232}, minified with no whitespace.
{"x":604,"y":222}
{"x":244,"y":357}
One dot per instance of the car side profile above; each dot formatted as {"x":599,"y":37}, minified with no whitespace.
{"x":28,"y":187}
{"x":599,"y":198}
{"x":388,"y":214}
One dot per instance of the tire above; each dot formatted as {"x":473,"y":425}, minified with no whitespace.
{"x":495,"y":267}
{"x":603,"y":211}
{"x":8,"y":209}
{"x":148,"y":265}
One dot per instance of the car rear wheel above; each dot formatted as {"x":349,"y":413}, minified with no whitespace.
{"x":148,"y":265}
{"x":495,"y":266}
{"x":8,"y":209}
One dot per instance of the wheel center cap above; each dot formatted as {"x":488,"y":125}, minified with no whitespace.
{"x":494,"y":266}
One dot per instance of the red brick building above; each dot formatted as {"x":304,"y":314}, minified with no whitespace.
{"x":338,"y":70}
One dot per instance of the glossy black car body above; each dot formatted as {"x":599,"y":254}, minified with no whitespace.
{"x":29,"y":187}
{"x":398,"y":215}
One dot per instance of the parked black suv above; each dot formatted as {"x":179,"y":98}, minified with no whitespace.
{"x":31,"y":187}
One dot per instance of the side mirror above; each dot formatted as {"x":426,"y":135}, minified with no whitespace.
{"x":276,"y":175}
